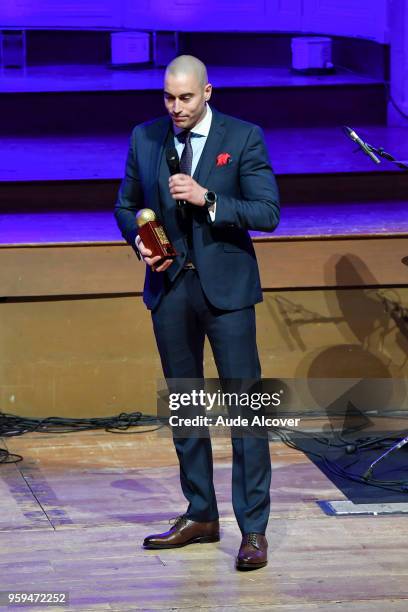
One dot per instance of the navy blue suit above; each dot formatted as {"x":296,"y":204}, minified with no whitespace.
{"x":217,"y":300}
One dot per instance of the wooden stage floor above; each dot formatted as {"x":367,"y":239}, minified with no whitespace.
{"x":74,"y":512}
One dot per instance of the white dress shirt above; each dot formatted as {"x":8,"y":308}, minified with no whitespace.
{"x":199,"y":135}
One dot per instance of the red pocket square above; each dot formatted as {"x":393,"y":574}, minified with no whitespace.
{"x":223,"y":159}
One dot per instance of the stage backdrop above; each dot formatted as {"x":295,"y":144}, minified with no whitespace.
{"x":363,"y":19}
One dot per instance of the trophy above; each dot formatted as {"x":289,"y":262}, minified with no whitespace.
{"x":154,"y":237}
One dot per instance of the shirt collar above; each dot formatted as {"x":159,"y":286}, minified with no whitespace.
{"x":202,"y":128}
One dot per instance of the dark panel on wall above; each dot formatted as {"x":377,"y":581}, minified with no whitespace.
{"x":90,"y":112}
{"x":362,"y":56}
{"x":238,"y":49}
{"x":67,"y":47}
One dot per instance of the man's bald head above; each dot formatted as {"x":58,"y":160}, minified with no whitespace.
{"x":188,"y":65}
{"x":186,"y":91}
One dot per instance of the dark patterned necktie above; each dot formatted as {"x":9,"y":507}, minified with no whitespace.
{"x":186,"y":159}
{"x":186,"y":162}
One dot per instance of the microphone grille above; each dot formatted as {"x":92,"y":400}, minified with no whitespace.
{"x":173,"y":161}
{"x":172,"y":155}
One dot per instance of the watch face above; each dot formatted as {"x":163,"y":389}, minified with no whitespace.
{"x":210,"y":197}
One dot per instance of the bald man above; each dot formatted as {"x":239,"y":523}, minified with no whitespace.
{"x":210,"y":289}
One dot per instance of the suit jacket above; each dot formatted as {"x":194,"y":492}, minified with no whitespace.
{"x":247,"y":199}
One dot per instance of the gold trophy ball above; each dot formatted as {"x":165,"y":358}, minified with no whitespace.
{"x":144,"y":216}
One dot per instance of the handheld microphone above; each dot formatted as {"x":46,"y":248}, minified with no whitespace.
{"x":363,"y":145}
{"x":173,"y":164}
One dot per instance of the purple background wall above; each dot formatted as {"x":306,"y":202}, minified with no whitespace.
{"x":365,"y":18}
{"x":67,"y":115}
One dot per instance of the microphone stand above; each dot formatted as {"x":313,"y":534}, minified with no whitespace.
{"x":382,"y":153}
{"x":404,"y":166}
{"x":396,"y":446}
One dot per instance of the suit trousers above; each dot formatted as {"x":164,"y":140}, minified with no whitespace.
{"x":181,"y":321}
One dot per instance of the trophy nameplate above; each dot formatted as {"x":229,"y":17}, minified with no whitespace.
{"x":154,"y":237}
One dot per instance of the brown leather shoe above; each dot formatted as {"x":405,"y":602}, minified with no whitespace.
{"x":253,"y":552}
{"x":184,"y":531}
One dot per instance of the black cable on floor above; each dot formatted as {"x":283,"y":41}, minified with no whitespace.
{"x":13,"y":425}
{"x":333,"y":467}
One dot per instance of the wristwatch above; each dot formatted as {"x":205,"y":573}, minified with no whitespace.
{"x":210,"y":198}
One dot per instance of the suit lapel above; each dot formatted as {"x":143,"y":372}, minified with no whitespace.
{"x":159,"y":145}
{"x":211,"y":149}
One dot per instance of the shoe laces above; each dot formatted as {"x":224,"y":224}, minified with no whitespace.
{"x":178,"y":520}
{"x":252,"y":538}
